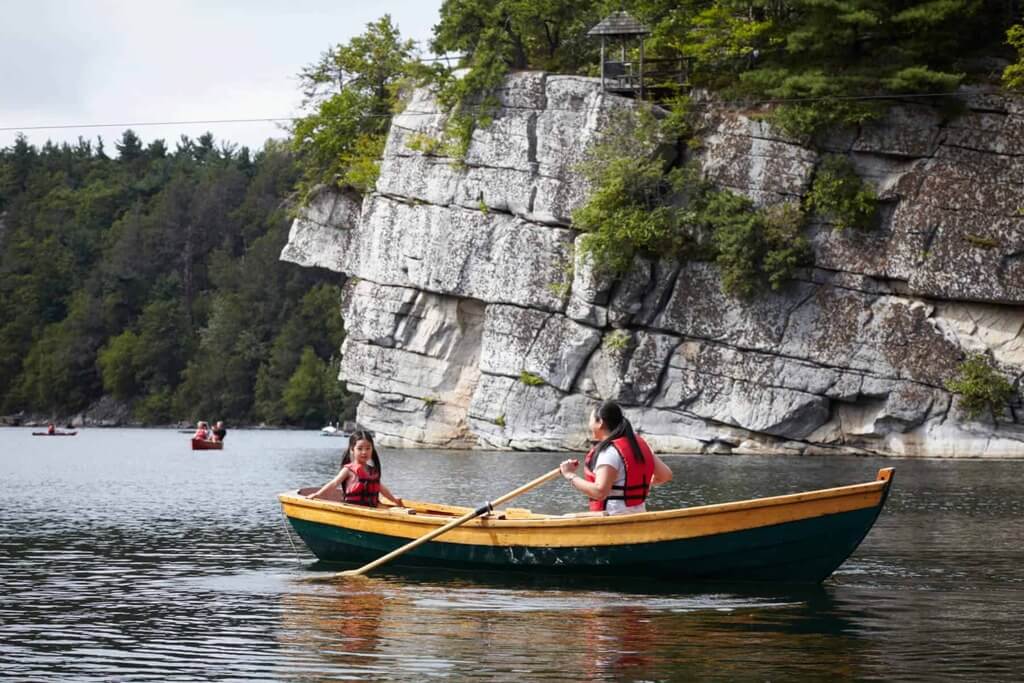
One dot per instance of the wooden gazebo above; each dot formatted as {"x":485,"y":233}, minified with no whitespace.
{"x":625,"y":76}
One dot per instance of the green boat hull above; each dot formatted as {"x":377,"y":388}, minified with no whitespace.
{"x":804,"y":551}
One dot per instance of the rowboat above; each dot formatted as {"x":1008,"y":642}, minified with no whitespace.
{"x":206,"y":445}
{"x":794,"y":538}
{"x":55,"y":433}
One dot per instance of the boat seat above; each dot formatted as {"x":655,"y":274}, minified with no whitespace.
{"x":517,"y":513}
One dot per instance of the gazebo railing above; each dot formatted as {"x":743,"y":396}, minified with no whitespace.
{"x":627,"y":76}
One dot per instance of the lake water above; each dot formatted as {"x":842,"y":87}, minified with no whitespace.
{"x":125,"y":556}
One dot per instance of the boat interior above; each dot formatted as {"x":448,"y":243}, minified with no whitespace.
{"x":440,"y":510}
{"x":415,"y":507}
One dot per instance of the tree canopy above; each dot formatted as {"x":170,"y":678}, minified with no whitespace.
{"x":134,"y":276}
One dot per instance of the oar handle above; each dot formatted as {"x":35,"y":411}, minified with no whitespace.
{"x":482,"y":510}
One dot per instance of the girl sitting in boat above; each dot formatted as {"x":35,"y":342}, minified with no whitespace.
{"x":619,"y":471}
{"x":202,"y":432}
{"x":358,"y":482}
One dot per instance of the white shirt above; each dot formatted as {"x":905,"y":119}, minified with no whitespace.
{"x":610,"y":456}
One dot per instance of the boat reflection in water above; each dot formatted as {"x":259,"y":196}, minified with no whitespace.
{"x":491,"y":624}
{"x":349,"y":616}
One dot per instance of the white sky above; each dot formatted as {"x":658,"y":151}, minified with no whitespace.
{"x":118,"y":61}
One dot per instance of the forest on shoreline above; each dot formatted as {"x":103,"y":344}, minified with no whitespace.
{"x":151,"y":276}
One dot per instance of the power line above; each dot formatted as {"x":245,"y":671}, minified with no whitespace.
{"x":139,"y":124}
{"x":710,"y":103}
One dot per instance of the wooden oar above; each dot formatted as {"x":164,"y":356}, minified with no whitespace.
{"x":482,"y":510}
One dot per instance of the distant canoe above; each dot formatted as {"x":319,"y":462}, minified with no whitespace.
{"x":795,"y":538}
{"x":205,"y":445}
{"x":54,"y":434}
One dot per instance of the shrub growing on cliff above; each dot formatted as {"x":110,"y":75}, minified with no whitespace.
{"x":840,"y":196}
{"x":530,"y":379}
{"x":755,"y":247}
{"x":632,"y":208}
{"x":1013,"y":75}
{"x":980,"y":387}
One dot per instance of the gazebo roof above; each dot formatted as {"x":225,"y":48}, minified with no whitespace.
{"x":619,"y":24}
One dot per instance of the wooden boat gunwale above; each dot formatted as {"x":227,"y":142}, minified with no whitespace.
{"x":423,"y":511}
{"x":520,"y":528}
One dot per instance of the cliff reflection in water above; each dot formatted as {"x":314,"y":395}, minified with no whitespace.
{"x":491,"y":626}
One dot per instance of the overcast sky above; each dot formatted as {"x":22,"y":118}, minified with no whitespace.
{"x":117,"y":61}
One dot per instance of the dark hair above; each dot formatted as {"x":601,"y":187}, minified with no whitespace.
{"x":353,"y":439}
{"x":610,"y":413}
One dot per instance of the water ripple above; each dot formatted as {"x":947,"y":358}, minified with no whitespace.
{"x":125,"y":557}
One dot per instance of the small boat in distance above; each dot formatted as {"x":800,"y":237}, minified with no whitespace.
{"x":331,"y":430}
{"x":54,"y":433}
{"x":794,"y":538}
{"x":207,"y":445}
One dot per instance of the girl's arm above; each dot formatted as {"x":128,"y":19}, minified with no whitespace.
{"x":662,"y":473}
{"x":387,"y":492}
{"x":334,"y":483}
{"x":598,"y":489}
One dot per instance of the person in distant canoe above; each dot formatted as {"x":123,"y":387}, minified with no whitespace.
{"x":619,"y":471}
{"x":202,"y":432}
{"x":358,"y":482}
{"x":51,"y":429}
{"x":219,"y":432}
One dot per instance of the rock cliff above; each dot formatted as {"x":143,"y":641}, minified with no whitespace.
{"x":471,"y":322}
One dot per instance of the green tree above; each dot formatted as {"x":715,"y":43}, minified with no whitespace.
{"x":351,"y":94}
{"x":129,"y":148}
{"x":118,"y":366}
{"x":133,"y":276}
{"x":521,"y":34}
{"x":305,"y":396}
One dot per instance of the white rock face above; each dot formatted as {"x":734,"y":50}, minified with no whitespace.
{"x":473,"y":322}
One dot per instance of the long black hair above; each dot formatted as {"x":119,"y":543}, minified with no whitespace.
{"x":610,"y":413}
{"x":353,"y":439}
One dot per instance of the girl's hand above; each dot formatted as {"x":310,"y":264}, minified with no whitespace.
{"x":399,"y":502}
{"x":568,"y":467}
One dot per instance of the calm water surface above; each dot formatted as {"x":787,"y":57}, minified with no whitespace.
{"x":126,"y":556}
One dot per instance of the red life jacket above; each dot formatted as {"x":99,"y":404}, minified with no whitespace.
{"x":638,"y":474}
{"x":365,"y":489}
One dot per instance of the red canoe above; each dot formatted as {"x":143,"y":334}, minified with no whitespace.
{"x":54,"y":434}
{"x":204,"y":445}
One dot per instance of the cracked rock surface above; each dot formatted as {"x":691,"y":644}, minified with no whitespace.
{"x":472,"y":322}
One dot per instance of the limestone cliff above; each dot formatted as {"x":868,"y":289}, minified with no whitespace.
{"x":463,"y":289}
